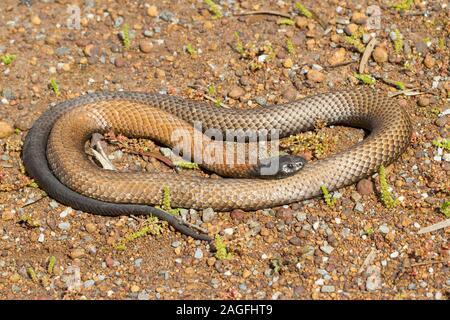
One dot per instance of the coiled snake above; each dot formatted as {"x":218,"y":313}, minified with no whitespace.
{"x":54,"y":150}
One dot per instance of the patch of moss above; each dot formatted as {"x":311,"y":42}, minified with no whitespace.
{"x":398,"y":42}
{"x":445,"y":209}
{"x":7,"y":59}
{"x":54,"y":86}
{"x":386,"y":197}
{"x":303,"y":10}
{"x":221,"y":249}
{"x":126,"y":36}
{"x":329,"y":200}
{"x":365,"y":78}
{"x":285,"y":21}
{"x":442,"y":143}
{"x":51,"y":264}
{"x":214,"y":8}
{"x":403,"y":5}
{"x":152,"y":226}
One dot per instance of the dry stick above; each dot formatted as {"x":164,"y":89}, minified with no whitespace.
{"x":436,"y":226}
{"x":316,"y":17}
{"x":369,"y":259}
{"x":34,"y":202}
{"x":161,"y":158}
{"x":342,"y":64}
{"x":424,"y":263}
{"x":269,"y":12}
{"x":207,"y":97}
{"x":366,"y":55}
{"x":407,"y":92}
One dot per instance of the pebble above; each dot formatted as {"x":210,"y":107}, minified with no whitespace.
{"x":145,"y":46}
{"x":327,"y":289}
{"x":429,"y":61}
{"x":351,"y":29}
{"x":167,"y":16}
{"x":134,"y":288}
{"x":176,"y":244}
{"x":143,"y":295}
{"x":138,"y":262}
{"x":77,"y":253}
{"x":66,"y":212}
{"x":359,"y":18}
{"x":380,"y":55}
{"x":236,"y":92}
{"x":64,"y":225}
{"x":208,"y":215}
{"x":36,"y":20}
{"x":237,"y":214}
{"x":288,"y":63}
{"x":119,"y":62}
{"x":326,"y":248}
{"x":365,"y":187}
{"x":359,"y":207}
{"x":301,"y":22}
{"x":296,"y":241}
{"x":315,"y":76}
{"x":148,"y":33}
{"x":374,"y":280}
{"x":228,"y":231}
{"x":88,"y":283}
{"x":152,"y":11}
{"x":5,"y":129}
{"x":337,"y":57}
{"x":8,"y":215}
{"x":423,"y":101}
{"x":394,"y":254}
{"x":198,"y":253}
{"x":41,"y":238}
{"x":384,"y":229}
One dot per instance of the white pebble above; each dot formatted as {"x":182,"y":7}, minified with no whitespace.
{"x":66,"y":212}
{"x":394,"y":255}
{"x":228,"y":231}
{"x":41,"y":238}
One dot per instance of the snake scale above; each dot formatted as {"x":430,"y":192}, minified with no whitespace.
{"x":54,"y":154}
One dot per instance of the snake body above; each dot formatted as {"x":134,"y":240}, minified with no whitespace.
{"x":54,"y":149}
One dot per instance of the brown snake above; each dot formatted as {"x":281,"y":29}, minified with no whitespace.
{"x":54,"y":150}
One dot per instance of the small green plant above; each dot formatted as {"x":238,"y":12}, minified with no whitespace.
{"x":51,"y":264}
{"x":126,"y":36}
{"x":442,"y":143}
{"x":54,"y":86}
{"x":152,"y":226}
{"x":303,"y":10}
{"x":445,"y":209}
{"x":329,"y":200}
{"x":398,"y":42}
{"x":400,"y":85}
{"x":239,"y":47}
{"x":221,"y":249}
{"x":365,"y":78}
{"x":32,"y":274}
{"x":214,"y":8}
{"x":29,"y":222}
{"x":403,"y":5}
{"x":190,"y":50}
{"x":211,"y":90}
{"x":186,"y":165}
{"x":8,"y":58}
{"x":355,"y":42}
{"x":386,"y":197}
{"x":290,"y":46}
{"x":369,"y":231}
{"x":441,"y":43}
{"x":285,"y":21}
{"x":166,"y":206}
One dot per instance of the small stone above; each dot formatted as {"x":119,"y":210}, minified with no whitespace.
{"x":365,"y":187}
{"x":373,"y":281}
{"x":359,"y":207}
{"x":296,"y":241}
{"x":380,"y":55}
{"x":237,"y":214}
{"x":327,"y":289}
{"x":152,"y":11}
{"x":301,"y":22}
{"x":36,"y":20}
{"x":315,"y":76}
{"x":351,"y":29}
{"x":326,"y":248}
{"x":134,"y":288}
{"x":423,"y":101}
{"x":228,"y":231}
{"x":119,"y":62}
{"x":90,"y":227}
{"x":145,"y":46}
{"x":64,"y":225}
{"x":211,"y":261}
{"x":337,"y":57}
{"x":91,"y":50}
{"x":5,"y":129}
{"x":359,"y":18}
{"x":208,"y":215}
{"x":138,"y":262}
{"x":236,"y":92}
{"x":7,"y":215}
{"x":198,"y":253}
{"x":429,"y":61}
{"x":288,"y":63}
{"x":88,"y":283}
{"x":394,"y":255}
{"x":246,"y":273}
{"x":65,"y":212}
{"x":77,"y":253}
{"x":384,"y":229}
{"x":176,"y":244}
{"x":442,"y":121}
{"x":421,"y":48}
{"x":167,"y":16}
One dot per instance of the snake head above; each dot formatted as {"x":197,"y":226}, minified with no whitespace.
{"x":280,"y":167}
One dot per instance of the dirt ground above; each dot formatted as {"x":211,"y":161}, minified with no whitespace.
{"x":356,"y":249}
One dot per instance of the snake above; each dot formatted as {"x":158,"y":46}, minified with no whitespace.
{"x":54,"y":150}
